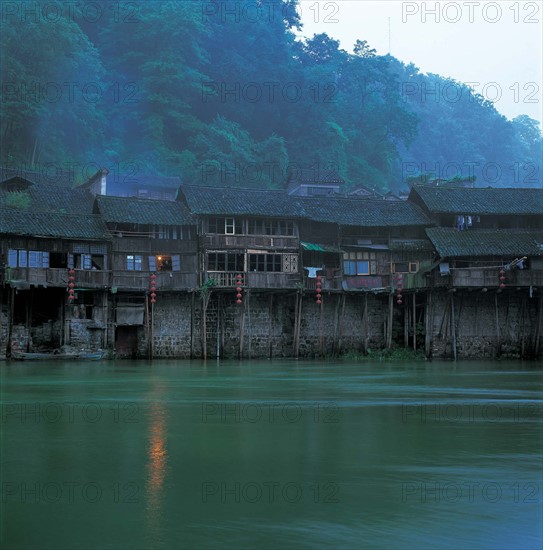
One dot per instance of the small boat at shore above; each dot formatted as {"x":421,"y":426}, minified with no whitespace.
{"x":51,"y":356}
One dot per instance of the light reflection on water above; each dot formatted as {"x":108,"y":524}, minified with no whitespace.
{"x":271,"y":454}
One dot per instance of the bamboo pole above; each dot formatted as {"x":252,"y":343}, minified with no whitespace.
{"x":522,"y":323}
{"x":428,"y":325}
{"x":366,"y":331}
{"x":298,"y":323}
{"x":538,"y":326}
{"x":406,"y":326}
{"x":390,"y":318}
{"x":414,"y":322}
{"x":242,"y":329}
{"x":28,"y":327}
{"x":295,"y":323}
{"x":10,"y":322}
{"x":321,"y":328}
{"x":340,"y":323}
{"x":453,"y":328}
{"x":152,"y":347}
{"x":498,"y":338}
{"x":336,"y":323}
{"x":270,"y":326}
{"x":192,"y":315}
{"x":250,"y":325}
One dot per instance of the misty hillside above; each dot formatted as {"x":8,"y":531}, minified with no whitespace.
{"x":175,"y":89}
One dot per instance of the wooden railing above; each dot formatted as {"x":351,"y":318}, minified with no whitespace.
{"x":248,"y":241}
{"x":489,"y":277}
{"x":255,"y":279}
{"x":58,"y":277}
{"x":166,"y":280}
{"x":154,"y":246}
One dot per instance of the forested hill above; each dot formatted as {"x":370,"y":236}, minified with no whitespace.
{"x":187,"y":88}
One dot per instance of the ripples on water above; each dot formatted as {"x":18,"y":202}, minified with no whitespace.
{"x":271,"y":454}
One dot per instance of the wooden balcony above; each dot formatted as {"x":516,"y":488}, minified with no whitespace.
{"x":489,"y":277}
{"x":166,"y":280}
{"x":250,"y":241}
{"x":55,"y":277}
{"x":260,"y":280}
{"x":150,"y":247}
{"x":327,"y":283}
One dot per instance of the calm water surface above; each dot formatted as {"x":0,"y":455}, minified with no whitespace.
{"x":269,"y":454}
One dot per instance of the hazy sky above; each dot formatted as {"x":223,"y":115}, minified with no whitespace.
{"x":498,"y":44}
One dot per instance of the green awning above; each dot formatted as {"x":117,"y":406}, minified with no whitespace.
{"x":321,"y":248}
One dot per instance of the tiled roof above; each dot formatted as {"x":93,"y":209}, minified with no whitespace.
{"x":221,"y":201}
{"x":48,"y":224}
{"x":51,"y":198}
{"x":450,"y":242}
{"x":142,"y":211}
{"x":362,"y":212}
{"x":213,"y":201}
{"x":481,"y":200}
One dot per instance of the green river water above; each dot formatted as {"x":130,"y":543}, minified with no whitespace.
{"x":271,"y":454}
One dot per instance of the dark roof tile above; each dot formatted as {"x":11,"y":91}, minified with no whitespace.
{"x":48,"y":224}
{"x":479,"y":201}
{"x":142,"y":211}
{"x":450,"y":242}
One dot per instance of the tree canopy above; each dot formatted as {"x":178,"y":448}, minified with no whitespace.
{"x":220,"y":98}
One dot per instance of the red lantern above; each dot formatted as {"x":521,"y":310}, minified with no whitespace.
{"x":319,"y":302}
{"x":71,"y":285}
{"x":399,"y":302}
{"x":153,"y":301}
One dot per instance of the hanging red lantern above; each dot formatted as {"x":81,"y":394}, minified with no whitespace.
{"x":239,"y":289}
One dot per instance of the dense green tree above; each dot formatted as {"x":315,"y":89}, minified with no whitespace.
{"x":233,"y":98}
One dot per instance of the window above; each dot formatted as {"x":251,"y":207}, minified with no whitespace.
{"x":405,"y":267}
{"x":133,"y":262}
{"x":270,"y":227}
{"x":357,"y":267}
{"x":58,"y":260}
{"x":225,"y":261}
{"x":265,"y":262}
{"x":38,"y":259}
{"x":225,"y":226}
{"x":359,"y":263}
{"x":17,"y":258}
